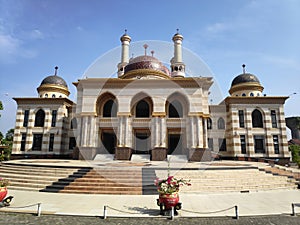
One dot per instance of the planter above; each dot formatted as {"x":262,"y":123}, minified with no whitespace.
{"x":3,"y":193}
{"x":169,"y":200}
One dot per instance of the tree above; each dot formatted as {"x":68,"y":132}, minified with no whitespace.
{"x":1,"y":107}
{"x":295,"y":150}
{"x":10,"y":135}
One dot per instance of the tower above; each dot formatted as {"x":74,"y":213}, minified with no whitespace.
{"x":177,"y":66}
{"x":125,"y":40}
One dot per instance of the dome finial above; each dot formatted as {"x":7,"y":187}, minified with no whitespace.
{"x":177,"y":31}
{"x":145,"y":47}
{"x":244,"y":68}
{"x":56,"y":68}
{"x":125,"y":32}
{"x":152,"y":53}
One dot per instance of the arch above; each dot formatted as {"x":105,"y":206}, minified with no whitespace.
{"x":221,"y":123}
{"x":141,"y":105}
{"x":177,"y":105}
{"x":107,"y":105}
{"x":74,"y":123}
{"x":39,"y":118}
{"x":257,"y":118}
{"x":209,"y":124}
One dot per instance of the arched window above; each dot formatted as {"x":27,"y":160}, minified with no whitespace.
{"x":53,"y":96}
{"x":46,"y":95}
{"x":73,"y":123}
{"x":110,"y":109}
{"x":209,"y":124}
{"x":257,"y":120}
{"x":142,"y":109}
{"x":39,"y":118}
{"x":243,"y":94}
{"x":175,"y":109}
{"x":221,"y":123}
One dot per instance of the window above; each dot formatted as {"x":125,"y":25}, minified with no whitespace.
{"x":257,"y":120}
{"x":73,"y":123}
{"x":54,"y":114}
{"x":251,"y":94}
{"x":273,"y":118}
{"x":241,"y":118}
{"x":243,"y":94}
{"x":110,"y":109}
{"x":243,"y":144}
{"x":276,"y":144}
{"x":26,"y":117}
{"x":209,"y":124}
{"x":51,"y":142}
{"x":23,"y":142}
{"x":221,"y":123}
{"x":142,"y":109}
{"x":72,"y":143}
{"x":175,"y":109}
{"x":210,"y":143}
{"x":39,"y":118}
{"x":259,"y":144}
{"x":53,"y":96}
{"x":37,"y":142}
{"x":222,"y":144}
{"x":46,"y":95}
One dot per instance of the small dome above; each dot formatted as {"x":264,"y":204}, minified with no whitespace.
{"x":244,"y":78}
{"x":146,"y":62}
{"x":53,"y":86}
{"x":54,"y":79}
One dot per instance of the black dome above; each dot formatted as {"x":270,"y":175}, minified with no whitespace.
{"x":54,"y":79}
{"x":245,"y":78}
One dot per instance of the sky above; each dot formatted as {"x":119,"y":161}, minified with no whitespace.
{"x":37,"y":35}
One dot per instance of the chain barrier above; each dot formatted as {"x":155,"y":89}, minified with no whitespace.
{"x":223,"y":210}
{"x":172,"y":215}
{"x":39,"y":207}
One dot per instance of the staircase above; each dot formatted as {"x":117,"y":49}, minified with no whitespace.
{"x":139,"y":180}
{"x":32,"y":178}
{"x":233,"y":180}
{"x":100,"y":181}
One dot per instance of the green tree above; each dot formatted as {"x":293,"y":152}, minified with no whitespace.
{"x":8,"y":142}
{"x":295,"y":150}
{"x":1,"y":107}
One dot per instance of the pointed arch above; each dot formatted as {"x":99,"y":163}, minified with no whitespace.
{"x":39,"y":118}
{"x":176,"y":105}
{"x":107,"y":105}
{"x":221,"y":123}
{"x":209,"y":123}
{"x":141,"y":105}
{"x":257,"y":118}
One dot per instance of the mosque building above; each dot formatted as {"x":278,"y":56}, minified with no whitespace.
{"x":151,"y":111}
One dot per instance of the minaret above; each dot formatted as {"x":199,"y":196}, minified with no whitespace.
{"x":177,"y":66}
{"x":125,"y":39}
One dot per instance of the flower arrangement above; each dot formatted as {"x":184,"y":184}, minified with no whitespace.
{"x":170,"y":185}
{"x":3,"y":182}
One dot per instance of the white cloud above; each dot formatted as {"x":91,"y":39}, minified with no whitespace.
{"x":36,"y":34}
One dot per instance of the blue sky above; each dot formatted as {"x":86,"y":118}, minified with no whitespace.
{"x":37,"y":35}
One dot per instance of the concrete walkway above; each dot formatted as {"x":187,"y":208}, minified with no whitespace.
{"x":193,"y":205}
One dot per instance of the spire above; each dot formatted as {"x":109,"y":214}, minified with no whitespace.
{"x":145,"y":47}
{"x":55,"y":72}
{"x":244,"y":70}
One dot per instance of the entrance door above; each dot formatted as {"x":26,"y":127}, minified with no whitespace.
{"x":175,"y":144}
{"x":109,"y":141}
{"x":141,"y":143}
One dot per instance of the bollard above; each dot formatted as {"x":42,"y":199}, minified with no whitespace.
{"x":293,"y":210}
{"x":172,"y":213}
{"x":236,"y":212}
{"x":39,"y":209}
{"x":104,"y":212}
